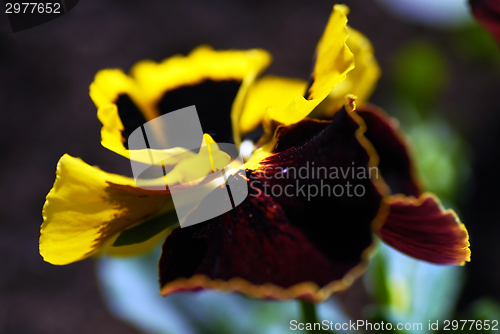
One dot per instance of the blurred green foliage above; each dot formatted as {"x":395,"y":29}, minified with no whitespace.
{"x":474,"y":43}
{"x":404,"y":289}
{"x":440,"y":154}
{"x":420,"y":74}
{"x":407,"y":290}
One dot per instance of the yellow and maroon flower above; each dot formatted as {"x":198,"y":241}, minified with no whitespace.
{"x":282,"y":244}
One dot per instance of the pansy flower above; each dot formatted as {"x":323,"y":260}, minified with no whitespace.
{"x":295,"y":236}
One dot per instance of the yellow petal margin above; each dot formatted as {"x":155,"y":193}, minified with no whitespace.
{"x":150,"y":80}
{"x":333,"y":61}
{"x":87,"y":207}
{"x":154,"y":79}
{"x":108,"y":84}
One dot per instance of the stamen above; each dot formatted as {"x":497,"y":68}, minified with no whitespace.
{"x":208,"y":140}
{"x":350,"y":102}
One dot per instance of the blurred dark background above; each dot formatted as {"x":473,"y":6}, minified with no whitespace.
{"x":45,"y":111}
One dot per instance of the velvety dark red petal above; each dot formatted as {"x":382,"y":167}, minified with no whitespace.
{"x":488,"y":13}
{"x":422,"y":229}
{"x":213,"y":101}
{"x":284,"y":242}
{"x":252,"y":249}
{"x":297,"y":134}
{"x":130,"y":116}
{"x":395,"y":164}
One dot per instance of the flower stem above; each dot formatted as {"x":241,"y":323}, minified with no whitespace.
{"x":308,"y":312}
{"x":309,"y":316}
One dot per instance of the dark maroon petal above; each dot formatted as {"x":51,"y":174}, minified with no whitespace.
{"x":130,"y":115}
{"x":422,"y":229}
{"x":213,"y":100}
{"x":290,"y":245}
{"x":337,"y":147}
{"x":252,"y":249}
{"x":297,"y":134}
{"x":488,"y":13}
{"x":395,"y":164}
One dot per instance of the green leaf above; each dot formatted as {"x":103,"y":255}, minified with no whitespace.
{"x":147,"y":229}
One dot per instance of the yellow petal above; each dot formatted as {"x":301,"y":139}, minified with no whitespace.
{"x":333,"y":61}
{"x":154,"y":79}
{"x":149,"y":81}
{"x":268,"y":91}
{"x":108,"y":84}
{"x":201,"y":64}
{"x":112,"y":139}
{"x":361,"y":81}
{"x":86,"y":207}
